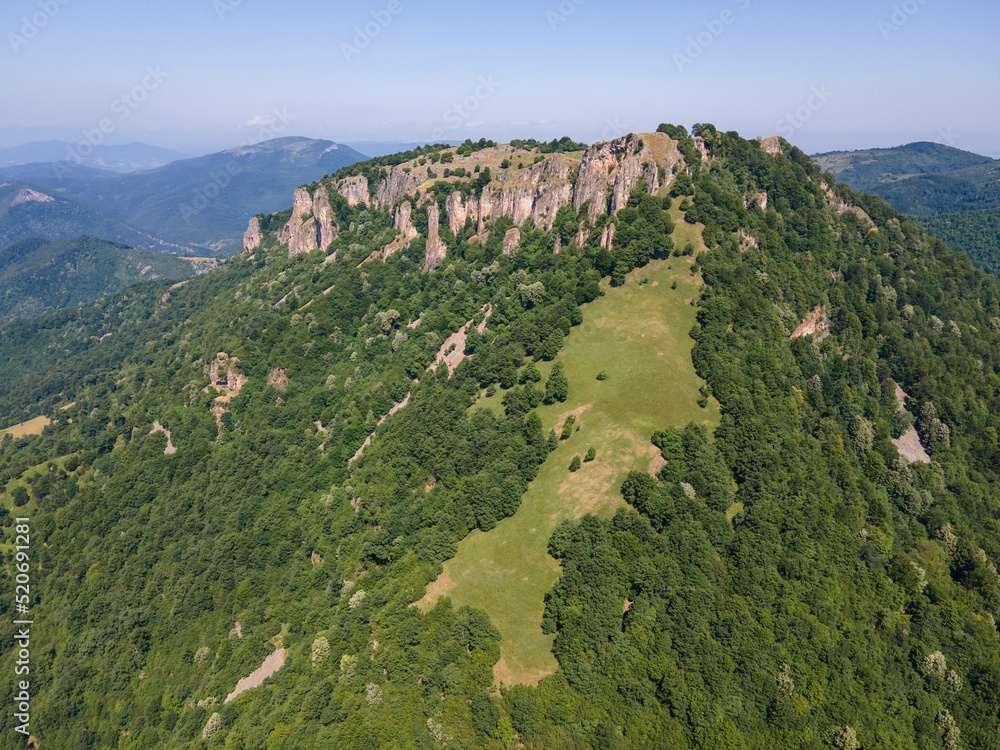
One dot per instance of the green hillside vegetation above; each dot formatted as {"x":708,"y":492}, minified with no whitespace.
{"x":784,"y":579}
{"x":64,"y":218}
{"x":869,"y":169}
{"x":37,"y":276}
{"x":954,"y":194}
{"x":976,"y":233}
{"x":638,"y":334}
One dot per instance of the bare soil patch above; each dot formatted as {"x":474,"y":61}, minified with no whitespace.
{"x":910,"y":447}
{"x":278,"y":379}
{"x":171,"y":449}
{"x":816,"y":324}
{"x":271,"y":665}
{"x":368,"y":440}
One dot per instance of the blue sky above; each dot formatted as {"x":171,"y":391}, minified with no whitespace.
{"x":199,"y":75}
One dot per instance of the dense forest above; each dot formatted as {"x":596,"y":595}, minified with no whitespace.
{"x":789,"y":579}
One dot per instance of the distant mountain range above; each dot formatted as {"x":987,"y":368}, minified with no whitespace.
{"x":954,"y":193}
{"x":37,"y":275}
{"x":125,"y":158}
{"x":26,"y":212}
{"x":202,"y":205}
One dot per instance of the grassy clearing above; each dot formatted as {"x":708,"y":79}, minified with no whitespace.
{"x":638,"y":335}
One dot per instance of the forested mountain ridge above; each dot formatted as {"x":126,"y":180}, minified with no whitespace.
{"x":953,"y":193}
{"x":37,"y":276}
{"x":789,"y":581}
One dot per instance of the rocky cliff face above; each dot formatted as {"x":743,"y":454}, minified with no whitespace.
{"x":613,"y":169}
{"x":355,"y":190}
{"x":323,"y":216}
{"x":535,"y":193}
{"x":253,"y":236}
{"x":403,"y":221}
{"x":311,"y":225}
{"x":602,"y":182}
{"x":397,"y":184}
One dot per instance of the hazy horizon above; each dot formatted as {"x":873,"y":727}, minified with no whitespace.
{"x":203,"y":75}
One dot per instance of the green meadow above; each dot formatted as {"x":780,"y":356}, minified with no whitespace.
{"x":638,"y":335}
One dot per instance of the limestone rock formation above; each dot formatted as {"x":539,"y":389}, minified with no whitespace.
{"x":436,"y":248}
{"x":300,"y":231}
{"x":324,"y":218}
{"x":602,"y":182}
{"x":608,"y":236}
{"x":398,"y":183}
{"x":253,"y":236}
{"x":771,"y":145}
{"x":511,"y":241}
{"x":403,"y":221}
{"x":311,"y":224}
{"x":458,"y":212}
{"x":615,"y":167}
{"x":355,"y":190}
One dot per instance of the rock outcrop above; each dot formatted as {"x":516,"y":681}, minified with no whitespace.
{"x":311,"y":224}
{"x":355,"y":190}
{"x":397,"y":184}
{"x":601,"y":182}
{"x":608,"y":236}
{"x":253,"y":236}
{"x":458,"y":212}
{"x":772,"y":145}
{"x":511,"y":241}
{"x":614,"y":168}
{"x":324,"y":218}
{"x":842,"y":207}
{"x":300,"y":231}
{"x":403,"y":221}
{"x":436,"y":248}
{"x":30,"y":196}
{"x":758,"y":199}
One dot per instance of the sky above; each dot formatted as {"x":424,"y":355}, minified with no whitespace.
{"x":203,"y":75}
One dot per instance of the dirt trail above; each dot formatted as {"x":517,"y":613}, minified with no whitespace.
{"x":368,"y":440}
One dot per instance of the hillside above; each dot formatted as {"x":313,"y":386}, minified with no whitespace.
{"x":203,"y":202}
{"x":268,"y":467}
{"x":954,"y":193}
{"x":37,"y":275}
{"x":25,"y":213}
